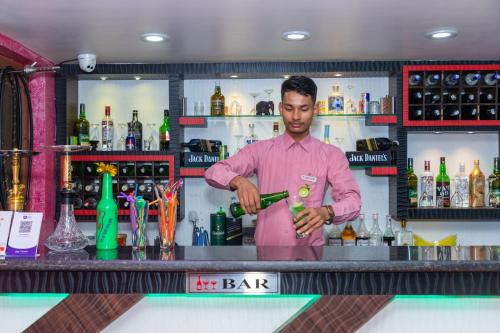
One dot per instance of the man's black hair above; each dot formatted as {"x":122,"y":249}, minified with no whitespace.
{"x":300,"y":84}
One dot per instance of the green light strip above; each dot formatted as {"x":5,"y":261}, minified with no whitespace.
{"x":443,"y":297}
{"x":30,"y":295}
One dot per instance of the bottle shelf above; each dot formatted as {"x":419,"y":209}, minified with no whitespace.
{"x":459,"y":214}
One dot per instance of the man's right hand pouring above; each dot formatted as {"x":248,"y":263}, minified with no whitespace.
{"x":248,"y":194}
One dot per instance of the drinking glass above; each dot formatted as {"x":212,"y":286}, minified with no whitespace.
{"x":268,"y":92}
{"x":235,"y":108}
{"x":121,"y":143}
{"x":199,"y":108}
{"x":253,"y":111}
{"x":295,"y":206}
{"x":95,"y":132}
{"x":152,"y":140}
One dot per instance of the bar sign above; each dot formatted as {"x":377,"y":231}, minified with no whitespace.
{"x":232,"y":283}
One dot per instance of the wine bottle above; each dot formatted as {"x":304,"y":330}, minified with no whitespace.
{"x":416,"y":113}
{"x":442,"y":186}
{"x":432,"y":97}
{"x":375,"y":144}
{"x":217,"y":101}
{"x":127,"y":169}
{"x":388,"y":236}
{"x":362,"y":235}
{"x":90,"y":203}
{"x":452,"y":79}
{"x":412,"y":185}
{"x":451,"y":113}
{"x":416,"y":97}
{"x":450,"y":96}
{"x":426,"y":186}
{"x":471,"y":79}
{"x":203,"y":145}
{"x":469,"y":112}
{"x":82,"y":128}
{"x":494,"y":185}
{"x":476,"y":186}
{"x":432,"y":79}
{"x":266,"y":200}
{"x":433,"y":113}
{"x":130,"y":141}
{"x":468,"y":96}
{"x":488,"y":112}
{"x":487,"y":96}
{"x":107,"y":130}
{"x":165,"y":132}
{"x":491,"y":79}
{"x":145,"y":169}
{"x":415,"y":80}
{"x":135,"y":126}
{"x":348,"y":235}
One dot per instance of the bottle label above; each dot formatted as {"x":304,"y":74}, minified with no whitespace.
{"x":83,"y":138}
{"x":442,"y":194}
{"x":164,"y":136}
{"x":426,"y":191}
{"x":218,"y":107}
{"x":107,"y":131}
{"x":349,"y":242}
{"x":412,"y":197}
{"x":334,"y":241}
{"x":495,"y":197}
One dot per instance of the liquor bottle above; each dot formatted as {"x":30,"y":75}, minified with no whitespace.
{"x":82,"y":128}
{"x":107,"y":130}
{"x":348,"y":235}
{"x":460,"y":198}
{"x":326,"y":134}
{"x":107,"y":217}
{"x":404,"y":237}
{"x":336,"y":101}
{"x":334,"y":236}
{"x":127,"y":169}
{"x":202,"y":145}
{"x":76,"y":186}
{"x":488,"y":112}
{"x":136,"y":128}
{"x":432,"y":79}
{"x":412,"y":185}
{"x":375,"y":232}
{"x":450,"y":96}
{"x":276,"y":129}
{"x":91,"y":188}
{"x":165,"y":132}
{"x":217,"y":101}
{"x":266,"y":200}
{"x":416,"y":113}
{"x":416,"y":97}
{"x":442,"y":186}
{"x":469,"y":112}
{"x":471,"y":79}
{"x":415,"y":80}
{"x":251,"y":137}
{"x":426,"y":186}
{"x":487,"y":96}
{"x":375,"y":144}
{"x":476,"y":186}
{"x":433,"y":112}
{"x":491,"y":79}
{"x":218,"y":228}
{"x":494,"y":185}
{"x":452,"y":79}
{"x":432,"y":97}
{"x":145,"y":169}
{"x":130,"y":141}
{"x":161,"y":170}
{"x":90,"y":169}
{"x":451,"y":112}
{"x":388,"y":237}
{"x":468,"y":96}
{"x":362,"y":235}
{"x":90,"y":203}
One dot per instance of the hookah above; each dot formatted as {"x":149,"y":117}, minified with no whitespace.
{"x":67,"y":236}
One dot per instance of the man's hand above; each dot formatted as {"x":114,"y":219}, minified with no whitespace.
{"x":247,"y":193}
{"x":310,"y":219}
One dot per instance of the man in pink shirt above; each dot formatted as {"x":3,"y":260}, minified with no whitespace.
{"x":289,"y":162}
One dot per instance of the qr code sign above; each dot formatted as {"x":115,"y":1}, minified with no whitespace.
{"x":25,"y":227}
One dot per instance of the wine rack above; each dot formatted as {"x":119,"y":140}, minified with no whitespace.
{"x":429,"y":100}
{"x":135,"y":172}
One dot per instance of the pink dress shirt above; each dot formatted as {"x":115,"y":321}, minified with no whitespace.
{"x":283,"y":164}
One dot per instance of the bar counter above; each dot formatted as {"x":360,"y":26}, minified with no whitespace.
{"x":325,"y":270}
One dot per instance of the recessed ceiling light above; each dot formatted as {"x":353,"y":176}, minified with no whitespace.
{"x":470,"y":132}
{"x":286,"y":77}
{"x":441,"y":34}
{"x":154,"y":37}
{"x":337,"y":74}
{"x":104,"y":78}
{"x":137,"y":77}
{"x":437,"y":132}
{"x":296,"y":35}
{"x":234,"y":76}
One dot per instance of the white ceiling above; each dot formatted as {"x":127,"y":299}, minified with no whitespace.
{"x":250,"y":30}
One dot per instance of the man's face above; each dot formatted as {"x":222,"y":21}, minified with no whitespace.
{"x":297,"y":111}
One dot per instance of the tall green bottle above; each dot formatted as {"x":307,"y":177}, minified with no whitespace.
{"x":442,"y":186}
{"x":266,"y":200}
{"x":412,"y":184}
{"x":107,"y":217}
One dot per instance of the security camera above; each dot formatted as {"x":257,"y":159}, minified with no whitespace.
{"x":87,"y":62}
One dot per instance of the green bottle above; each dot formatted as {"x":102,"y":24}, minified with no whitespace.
{"x":107,"y":217}
{"x":494,"y":185}
{"x":266,"y":200}
{"x":412,"y":185}
{"x":165,"y":132}
{"x":218,"y":228}
{"x":82,"y":128}
{"x":442,"y":186}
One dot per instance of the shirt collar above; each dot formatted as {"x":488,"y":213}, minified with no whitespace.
{"x":305,"y":143}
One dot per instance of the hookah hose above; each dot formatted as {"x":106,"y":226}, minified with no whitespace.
{"x":19,"y":85}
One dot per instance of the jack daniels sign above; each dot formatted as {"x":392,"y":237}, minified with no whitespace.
{"x":370,"y":158}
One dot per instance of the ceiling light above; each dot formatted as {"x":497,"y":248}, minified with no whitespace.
{"x":137,"y":77}
{"x":234,"y":76}
{"x":296,"y":35}
{"x":441,"y":34}
{"x":286,"y":77}
{"x":154,"y":37}
{"x":104,"y":78}
{"x":470,"y":132}
{"x":437,"y":132}
{"x":337,"y":74}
